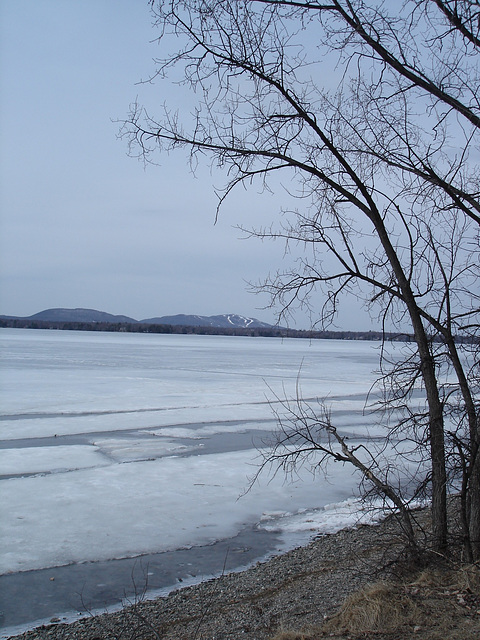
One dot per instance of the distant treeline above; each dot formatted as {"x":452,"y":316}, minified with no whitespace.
{"x":269,"y":332}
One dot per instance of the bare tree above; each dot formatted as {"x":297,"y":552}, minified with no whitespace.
{"x":385,"y":163}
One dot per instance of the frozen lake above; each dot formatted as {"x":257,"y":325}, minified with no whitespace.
{"x":117,"y":445}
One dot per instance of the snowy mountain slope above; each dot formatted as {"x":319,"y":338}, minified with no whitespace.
{"x":230,"y":320}
{"x":221,"y":321}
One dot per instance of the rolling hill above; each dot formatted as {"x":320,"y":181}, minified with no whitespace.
{"x":224,"y":321}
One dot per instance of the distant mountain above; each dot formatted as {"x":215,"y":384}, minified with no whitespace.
{"x":78,"y":315}
{"x":226,"y":321}
{"x":227,"y":324}
{"x":223,"y":321}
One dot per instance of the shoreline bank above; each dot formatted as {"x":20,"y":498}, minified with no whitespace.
{"x":295,"y":589}
{"x":32,"y":598}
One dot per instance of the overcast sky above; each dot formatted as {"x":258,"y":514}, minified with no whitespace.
{"x":84,"y":225}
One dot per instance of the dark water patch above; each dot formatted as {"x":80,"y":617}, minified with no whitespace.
{"x":219,"y":442}
{"x":46,"y":441}
{"x":242,"y":440}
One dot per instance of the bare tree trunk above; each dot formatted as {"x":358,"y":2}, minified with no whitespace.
{"x":470,"y":503}
{"x":435,"y":408}
{"x":384,"y":488}
{"x":474,"y":503}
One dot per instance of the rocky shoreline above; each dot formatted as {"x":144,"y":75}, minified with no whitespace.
{"x":295,"y":590}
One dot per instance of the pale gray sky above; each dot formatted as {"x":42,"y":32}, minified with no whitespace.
{"x":84,"y":225}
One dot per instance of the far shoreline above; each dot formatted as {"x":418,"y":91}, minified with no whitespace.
{"x":165,"y":329}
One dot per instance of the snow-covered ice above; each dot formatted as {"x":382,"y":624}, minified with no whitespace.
{"x":117,"y":445}
{"x":38,"y":460}
{"x":330,"y":519}
{"x":131,"y":509}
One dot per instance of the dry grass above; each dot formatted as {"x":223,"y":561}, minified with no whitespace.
{"x":382,"y":607}
{"x":436,"y":604}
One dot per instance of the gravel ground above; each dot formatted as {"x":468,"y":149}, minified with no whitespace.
{"x":294,"y":590}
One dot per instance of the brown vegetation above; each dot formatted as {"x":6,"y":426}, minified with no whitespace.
{"x":436,"y":604}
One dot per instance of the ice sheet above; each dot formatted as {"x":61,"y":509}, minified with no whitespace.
{"x":49,"y":459}
{"x":128,"y":509}
{"x":140,"y":410}
{"x":329,"y":519}
{"x":65,"y":423}
{"x":135,"y":450}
